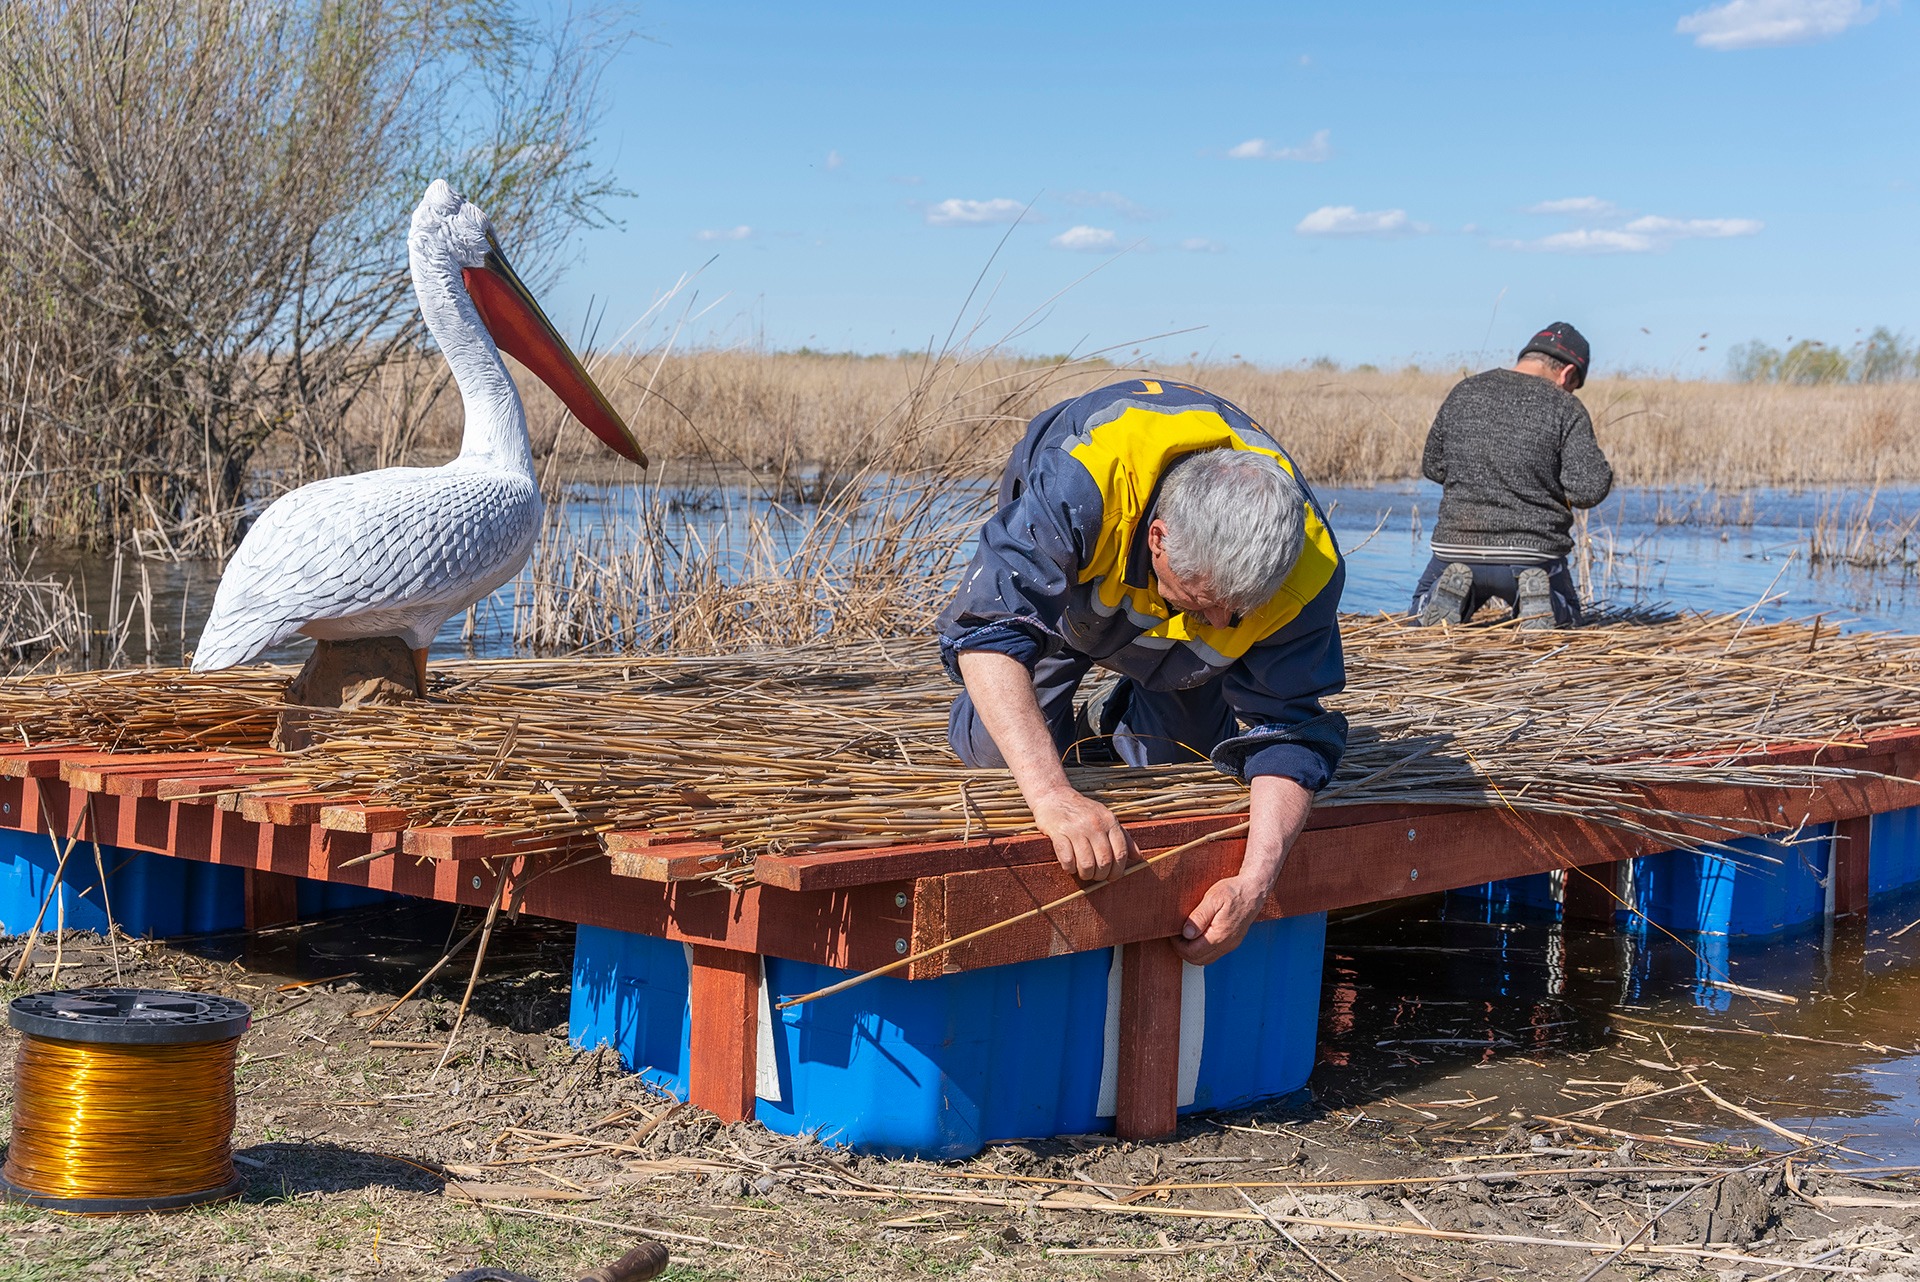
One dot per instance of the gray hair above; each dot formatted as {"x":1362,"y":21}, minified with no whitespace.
{"x":1236,"y":521}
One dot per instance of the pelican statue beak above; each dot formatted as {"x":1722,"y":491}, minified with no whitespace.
{"x":523,"y":331}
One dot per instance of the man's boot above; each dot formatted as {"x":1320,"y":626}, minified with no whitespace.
{"x":1447,"y":602}
{"x":1535,"y":608}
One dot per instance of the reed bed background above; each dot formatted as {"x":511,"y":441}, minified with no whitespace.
{"x":838,"y":745}
{"x":789,"y":418}
{"x":802,"y":496}
{"x":798,"y":495}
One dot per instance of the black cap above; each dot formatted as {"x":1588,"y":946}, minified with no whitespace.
{"x":1563,"y":342}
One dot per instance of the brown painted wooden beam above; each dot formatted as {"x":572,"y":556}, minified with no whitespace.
{"x":133,"y":778}
{"x":1852,"y":849}
{"x":867,"y":925}
{"x":1346,"y":867}
{"x":856,"y":929}
{"x":1591,"y":892}
{"x":1147,"y":1078}
{"x":724,"y":1008}
{"x":839,"y":869}
{"x":273,"y":899}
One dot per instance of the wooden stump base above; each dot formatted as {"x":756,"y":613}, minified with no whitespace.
{"x":365,"y":672}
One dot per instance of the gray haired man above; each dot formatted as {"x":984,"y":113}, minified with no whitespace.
{"x":1154,"y":530}
{"x":1514,"y":453}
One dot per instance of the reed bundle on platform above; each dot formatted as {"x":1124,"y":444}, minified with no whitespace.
{"x":840,"y":746}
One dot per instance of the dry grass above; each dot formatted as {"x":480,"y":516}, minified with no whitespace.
{"x":858,"y":543}
{"x":354,"y":1166}
{"x":786,"y":418}
{"x":845,"y":745}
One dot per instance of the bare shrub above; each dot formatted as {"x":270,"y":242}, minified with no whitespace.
{"x":203,"y":236}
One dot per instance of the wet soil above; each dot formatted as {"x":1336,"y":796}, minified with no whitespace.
{"x":1519,"y":1132}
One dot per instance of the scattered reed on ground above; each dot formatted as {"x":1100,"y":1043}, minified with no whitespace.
{"x":839,"y":745}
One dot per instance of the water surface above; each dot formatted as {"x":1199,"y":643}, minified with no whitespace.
{"x":1440,"y":999}
{"x":1687,"y":550}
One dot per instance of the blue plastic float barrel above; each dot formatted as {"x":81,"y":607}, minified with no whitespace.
{"x":938,"y":1068}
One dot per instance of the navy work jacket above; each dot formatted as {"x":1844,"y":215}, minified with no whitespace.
{"x":1063,"y":565}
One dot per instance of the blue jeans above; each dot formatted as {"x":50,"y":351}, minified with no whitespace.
{"x":1149,"y":727}
{"x":1503,"y":581}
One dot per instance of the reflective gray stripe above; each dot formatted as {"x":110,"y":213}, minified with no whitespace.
{"x":1479,"y":554}
{"x":1112,"y":411}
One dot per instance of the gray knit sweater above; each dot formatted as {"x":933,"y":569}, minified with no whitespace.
{"x":1515,"y":454}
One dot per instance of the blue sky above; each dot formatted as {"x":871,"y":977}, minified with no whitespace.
{"x":1381,"y":183}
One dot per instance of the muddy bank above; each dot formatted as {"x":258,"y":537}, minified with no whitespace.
{"x":363,"y":1162}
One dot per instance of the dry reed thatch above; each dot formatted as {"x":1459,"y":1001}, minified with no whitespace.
{"x":844,"y":745}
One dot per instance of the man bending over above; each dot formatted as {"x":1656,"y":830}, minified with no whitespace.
{"x":1153,"y":530}
{"x":1514,"y":452}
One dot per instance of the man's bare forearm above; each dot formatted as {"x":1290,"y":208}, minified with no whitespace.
{"x":1088,"y":841}
{"x":1002,"y":692}
{"x":1278,"y":811}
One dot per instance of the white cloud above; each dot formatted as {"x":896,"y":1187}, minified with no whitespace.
{"x":1756,"y":24}
{"x":724,"y":233}
{"x":1644,"y":235}
{"x":1313,"y":151}
{"x":973,"y":213}
{"x":1590,"y":240}
{"x":1201,"y":245}
{"x":1087,"y":238}
{"x":1345,"y":220}
{"x":1113,"y":200}
{"x":1572,"y":205}
{"x":834,"y":160}
{"x":1687,"y":228}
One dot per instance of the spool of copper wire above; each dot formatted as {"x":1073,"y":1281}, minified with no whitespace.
{"x":123,"y":1100}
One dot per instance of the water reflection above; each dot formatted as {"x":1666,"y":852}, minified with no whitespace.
{"x":1505,"y":1000}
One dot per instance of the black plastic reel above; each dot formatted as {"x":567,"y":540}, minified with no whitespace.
{"x":129,"y":1016}
{"x":11,"y":1192}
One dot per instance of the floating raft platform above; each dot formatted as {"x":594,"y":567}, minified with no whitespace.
{"x":1089,"y":1008}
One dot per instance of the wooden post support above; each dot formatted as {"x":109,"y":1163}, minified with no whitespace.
{"x":1146,"y":1105}
{"x":1852,"y":847}
{"x":1591,"y":892}
{"x":724,"y":1003}
{"x":273,"y":898}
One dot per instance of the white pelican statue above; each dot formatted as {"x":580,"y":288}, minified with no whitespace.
{"x":397,"y":552}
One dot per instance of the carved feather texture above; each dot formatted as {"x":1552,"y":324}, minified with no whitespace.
{"x":390,"y":553}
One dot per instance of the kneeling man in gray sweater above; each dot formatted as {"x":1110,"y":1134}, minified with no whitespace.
{"x":1514,"y":453}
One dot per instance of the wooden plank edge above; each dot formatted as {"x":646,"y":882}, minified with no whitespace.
{"x":366,"y":817}
{"x":688,"y":861}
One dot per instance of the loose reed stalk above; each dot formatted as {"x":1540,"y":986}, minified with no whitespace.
{"x":843,"y":745}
